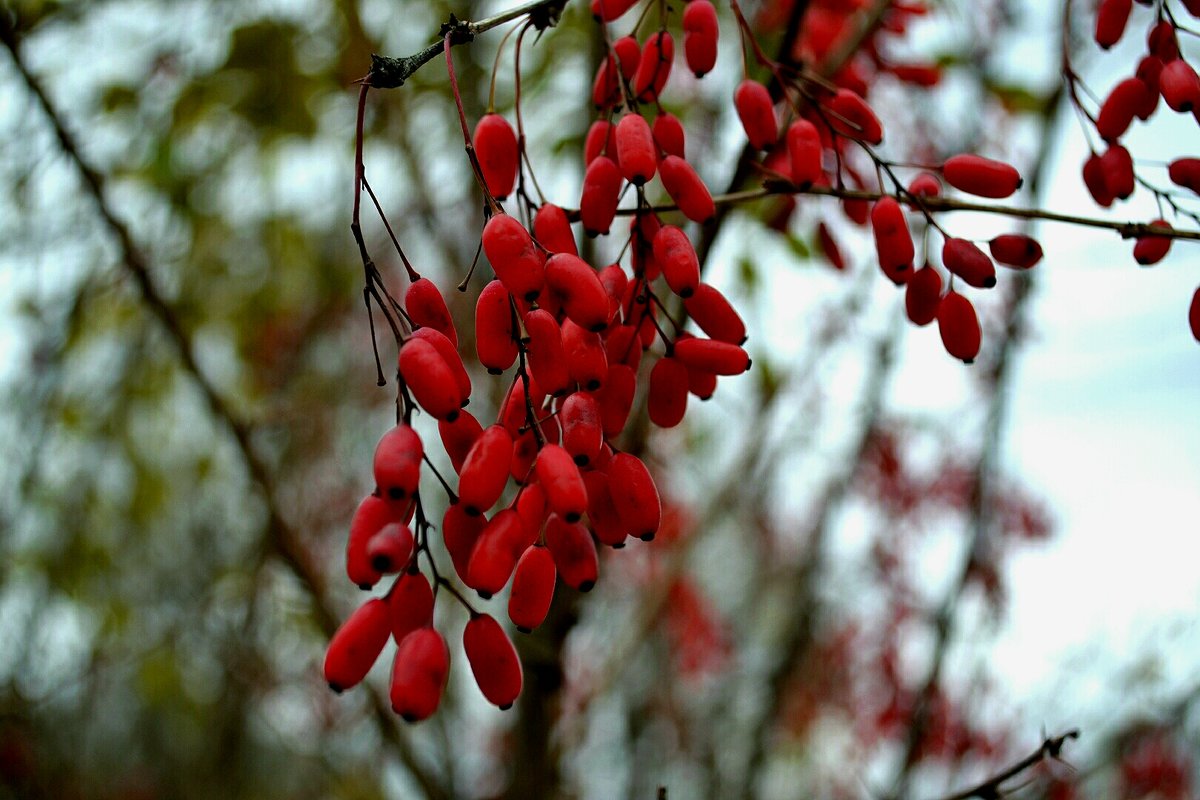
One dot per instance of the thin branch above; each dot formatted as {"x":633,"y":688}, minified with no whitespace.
{"x":391,"y":73}
{"x":282,"y":538}
{"x":989,"y":789}
{"x":772,"y":187}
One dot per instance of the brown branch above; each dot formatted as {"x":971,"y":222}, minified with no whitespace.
{"x":772,"y":187}
{"x":284,"y":541}
{"x":391,"y":73}
{"x":989,"y":789}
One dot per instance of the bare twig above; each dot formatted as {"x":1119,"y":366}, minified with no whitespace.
{"x":989,"y":789}
{"x":391,"y":73}
{"x":1126,"y":229}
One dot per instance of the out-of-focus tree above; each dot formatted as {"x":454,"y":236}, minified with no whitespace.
{"x":191,"y":408}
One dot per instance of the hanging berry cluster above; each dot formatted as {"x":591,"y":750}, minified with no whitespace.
{"x":538,"y":489}
{"x":570,"y":340}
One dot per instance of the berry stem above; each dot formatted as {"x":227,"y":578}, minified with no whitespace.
{"x":492,"y":206}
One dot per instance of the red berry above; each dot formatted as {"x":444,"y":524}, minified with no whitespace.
{"x":805,"y":153}
{"x":1116,"y":165}
{"x":410,"y":602}
{"x":601,"y":140}
{"x":576,"y":284}
{"x":668,"y":133}
{"x":398,"y":465}
{"x":552,"y":229}
{"x":530,"y":505}
{"x":1161,"y":42}
{"x":460,"y":533}
{"x":757,"y":113}
{"x":1149,"y":250}
{"x":1179,"y":85}
{"x":1194,"y":315}
{"x":1185,"y":172}
{"x":636,"y":153}
{"x":1120,"y":107}
{"x":372,"y":515}
{"x":628,"y":56}
{"x":851,"y":116}
{"x":700,"y":383}
{"x":419,"y":674}
{"x":925,"y":75}
{"x":495,"y":337}
{"x":532,"y":588}
{"x":430,"y":379}
{"x":582,"y":433}
{"x":893,"y":242}
{"x":614,"y":281}
{"x":667,"y":398}
{"x":560,"y":479}
{"x":425,"y":304}
{"x":925,"y":185}
{"x":829,"y":247}
{"x":570,"y":545}
{"x":485,"y":472}
{"x":514,"y":257}
{"x":719,"y":358}
{"x":586,"y":359}
{"x":357,"y":643}
{"x":635,"y":496}
{"x":546,"y":360}
{"x":967,"y":261}
{"x":922,"y":295}
{"x":959,"y":327}
{"x":686,"y":189}
{"x":1016,"y":250}
{"x":601,"y":193}
{"x":448,"y":350}
{"x":674,"y":253}
{"x":602,"y":514}
{"x":514,"y":409}
{"x":981,"y":176}
{"x":616,"y":398}
{"x":654,"y":66}
{"x":700,"y":34}
{"x":496,"y":551}
{"x":608,"y":10}
{"x":493,"y":660}
{"x":714,"y":314}
{"x":458,"y":437}
{"x":391,"y":548}
{"x":1111,"y":17}
{"x":623,"y":343}
{"x":496,"y":147}
{"x":1093,"y":178}
{"x":606,"y":89}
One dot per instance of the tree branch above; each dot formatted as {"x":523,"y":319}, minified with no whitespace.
{"x":773,"y":186}
{"x":391,"y":73}
{"x":990,"y":788}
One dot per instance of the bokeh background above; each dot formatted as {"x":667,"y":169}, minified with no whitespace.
{"x":885,"y":574}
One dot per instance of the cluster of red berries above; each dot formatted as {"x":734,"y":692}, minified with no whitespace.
{"x":1162,"y":73}
{"x":577,"y":336}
